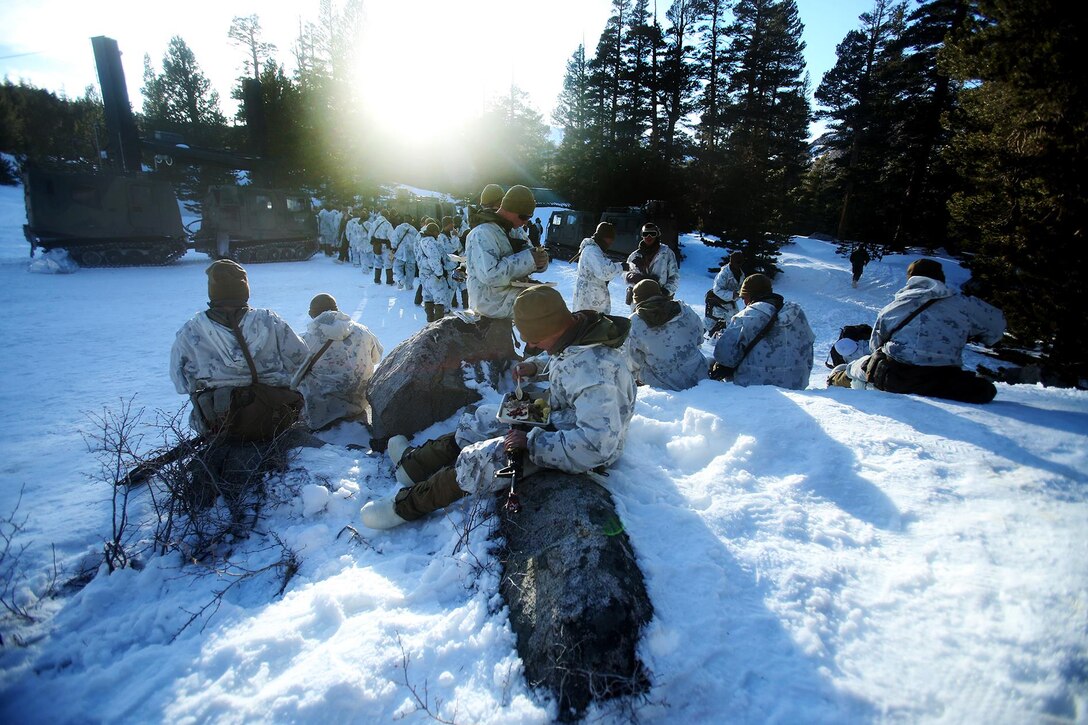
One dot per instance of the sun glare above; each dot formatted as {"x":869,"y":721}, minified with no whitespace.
{"x":421,"y":71}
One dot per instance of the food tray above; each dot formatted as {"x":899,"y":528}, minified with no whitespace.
{"x":521,"y":412}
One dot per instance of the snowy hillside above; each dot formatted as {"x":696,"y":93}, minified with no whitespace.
{"x":812,"y":556}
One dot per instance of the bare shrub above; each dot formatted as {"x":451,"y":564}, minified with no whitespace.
{"x":13,"y":576}
{"x":420,"y":693}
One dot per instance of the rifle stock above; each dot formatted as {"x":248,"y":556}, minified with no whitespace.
{"x":145,"y":470}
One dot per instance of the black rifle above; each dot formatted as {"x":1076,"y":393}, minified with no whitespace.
{"x":145,"y":470}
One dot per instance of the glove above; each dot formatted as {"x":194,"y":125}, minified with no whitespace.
{"x":713,"y":299}
{"x":634,"y":278}
{"x":540,"y":258}
{"x":626,"y":266}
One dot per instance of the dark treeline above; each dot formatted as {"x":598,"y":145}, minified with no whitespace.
{"x":947,"y":123}
{"x":944,"y":123}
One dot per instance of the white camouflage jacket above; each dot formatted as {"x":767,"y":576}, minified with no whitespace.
{"x":492,"y":265}
{"x":783,"y":357}
{"x":435,"y":266}
{"x":937,"y":335}
{"x":592,"y":397}
{"x":726,"y":285}
{"x":595,"y":271}
{"x":663,"y":267}
{"x":207,"y":355}
{"x":405,"y":242}
{"x":356,"y":235}
{"x":668,"y":356}
{"x":335,"y":387}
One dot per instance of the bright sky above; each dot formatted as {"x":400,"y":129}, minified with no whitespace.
{"x":456,"y":54}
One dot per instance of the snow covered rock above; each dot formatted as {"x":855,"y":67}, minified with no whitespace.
{"x":421,"y":380}
{"x":577,"y":598}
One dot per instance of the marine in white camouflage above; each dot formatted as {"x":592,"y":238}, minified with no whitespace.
{"x":595,"y":271}
{"x":335,"y":387}
{"x":405,"y":245}
{"x":925,"y":355}
{"x":592,"y":400}
{"x":435,"y":266}
{"x":664,"y":343}
{"x":493,"y":264}
{"x":938,"y":335}
{"x":783,"y":356}
{"x":206,"y":356}
{"x":653,"y":260}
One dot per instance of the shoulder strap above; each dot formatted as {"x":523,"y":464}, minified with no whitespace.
{"x":312,"y":361}
{"x":917,"y":311}
{"x":245,"y":350}
{"x":757,"y":338}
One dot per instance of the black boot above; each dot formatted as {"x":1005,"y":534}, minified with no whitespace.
{"x":419,"y":295}
{"x":377,"y":275}
{"x":439,"y":312}
{"x":389,"y":276}
{"x":464,"y":299}
{"x":428,"y":307}
{"x":453,"y":302}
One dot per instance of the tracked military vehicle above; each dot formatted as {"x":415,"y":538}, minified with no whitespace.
{"x":120,"y":215}
{"x":411,"y":206}
{"x":103,"y":219}
{"x":252,"y":224}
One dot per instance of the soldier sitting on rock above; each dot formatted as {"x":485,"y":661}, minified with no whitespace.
{"x":591,"y":396}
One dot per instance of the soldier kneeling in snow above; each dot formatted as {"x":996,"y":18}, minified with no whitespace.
{"x":592,"y":397}
{"x":664,"y":342}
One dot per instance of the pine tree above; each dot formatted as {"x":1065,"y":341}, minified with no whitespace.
{"x":678,"y":78}
{"x":1022,"y":155}
{"x":637,"y":57}
{"x":859,"y":99}
{"x":712,"y":28}
{"x":245,"y":31}
{"x":186,"y":93}
{"x":928,"y":96}
{"x":606,"y":76}
{"x":766,"y":117}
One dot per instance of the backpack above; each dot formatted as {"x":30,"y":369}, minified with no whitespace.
{"x":850,"y":345}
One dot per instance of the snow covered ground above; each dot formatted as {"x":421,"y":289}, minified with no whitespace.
{"x":812,"y":556}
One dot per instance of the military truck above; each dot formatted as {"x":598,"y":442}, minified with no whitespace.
{"x":567,"y":229}
{"x":253,"y":224}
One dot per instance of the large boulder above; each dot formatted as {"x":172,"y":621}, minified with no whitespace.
{"x":577,"y":598}
{"x":421,"y":380}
